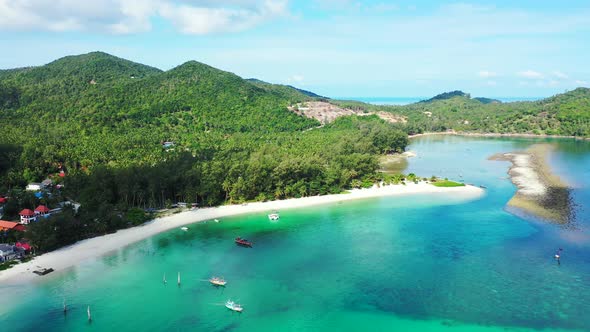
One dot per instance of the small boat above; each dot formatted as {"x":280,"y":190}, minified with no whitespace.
{"x":89,"y":315}
{"x":243,"y":242}
{"x":178,"y":278}
{"x":164,"y":279}
{"x":274,"y":216}
{"x":231,"y":305}
{"x":216,"y":220}
{"x":184,"y":228}
{"x":215,"y":281}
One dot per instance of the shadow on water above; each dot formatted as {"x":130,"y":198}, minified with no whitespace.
{"x":560,"y":201}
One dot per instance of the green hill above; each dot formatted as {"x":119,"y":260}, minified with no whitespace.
{"x":103,"y":120}
{"x":285,"y":89}
{"x":566,"y":114}
{"x":447,"y":95}
{"x":485,"y":100}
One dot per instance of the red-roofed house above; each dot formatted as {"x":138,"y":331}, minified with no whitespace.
{"x":9,"y":225}
{"x":26,"y":216}
{"x":42,"y":211}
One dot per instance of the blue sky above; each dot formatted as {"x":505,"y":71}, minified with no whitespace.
{"x":332,"y":47}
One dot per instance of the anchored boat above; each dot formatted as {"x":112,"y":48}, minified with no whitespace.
{"x":243,"y":242}
{"x":231,"y":305}
{"x":215,"y":281}
{"x":274,"y":216}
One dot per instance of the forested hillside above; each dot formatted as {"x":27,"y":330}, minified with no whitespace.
{"x":565,"y":114}
{"x":103,"y":120}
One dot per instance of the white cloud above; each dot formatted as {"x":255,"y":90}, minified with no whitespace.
{"x":487,"y":74}
{"x":579,"y":82}
{"x":560,"y":75}
{"x":203,"y":20}
{"x":355,"y":6}
{"x":296,"y":79}
{"x":491,"y":83}
{"x":132,"y":16}
{"x":530,"y":74}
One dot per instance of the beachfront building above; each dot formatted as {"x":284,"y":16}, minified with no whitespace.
{"x":42,"y":211}
{"x":6,"y":252}
{"x":10,"y":252}
{"x":27,"y":216}
{"x":11,"y":226}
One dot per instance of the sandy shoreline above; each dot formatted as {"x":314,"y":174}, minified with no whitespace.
{"x":95,"y":247}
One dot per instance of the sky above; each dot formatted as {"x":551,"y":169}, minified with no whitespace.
{"x":336,"y":48}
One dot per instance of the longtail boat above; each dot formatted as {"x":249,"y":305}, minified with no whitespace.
{"x":243,"y":242}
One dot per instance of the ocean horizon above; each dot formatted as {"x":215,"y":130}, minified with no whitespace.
{"x":411,"y":100}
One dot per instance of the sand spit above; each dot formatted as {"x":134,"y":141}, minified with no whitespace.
{"x":540,"y":192}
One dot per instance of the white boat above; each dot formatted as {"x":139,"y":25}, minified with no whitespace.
{"x":178,"y":278}
{"x":89,"y":315}
{"x":216,"y":281}
{"x":164,"y":279}
{"x":273,"y":216}
{"x":184,"y":228}
{"x":216,"y":220}
{"x":231,"y":305}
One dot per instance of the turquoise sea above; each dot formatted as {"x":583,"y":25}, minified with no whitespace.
{"x":415,"y":263}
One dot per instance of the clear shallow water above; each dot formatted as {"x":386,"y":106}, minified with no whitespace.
{"x":422,"y":263}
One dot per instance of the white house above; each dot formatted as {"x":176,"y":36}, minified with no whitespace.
{"x":34,"y":186}
{"x":27,"y":216}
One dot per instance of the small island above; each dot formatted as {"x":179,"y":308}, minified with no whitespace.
{"x":540,"y":192}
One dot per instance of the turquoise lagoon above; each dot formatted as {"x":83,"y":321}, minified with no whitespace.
{"x":415,"y":263}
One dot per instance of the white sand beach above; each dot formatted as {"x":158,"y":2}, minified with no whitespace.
{"x":524,"y":175}
{"x":88,"y":249}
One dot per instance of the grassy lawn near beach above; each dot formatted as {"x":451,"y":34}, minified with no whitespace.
{"x":447,"y":183}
